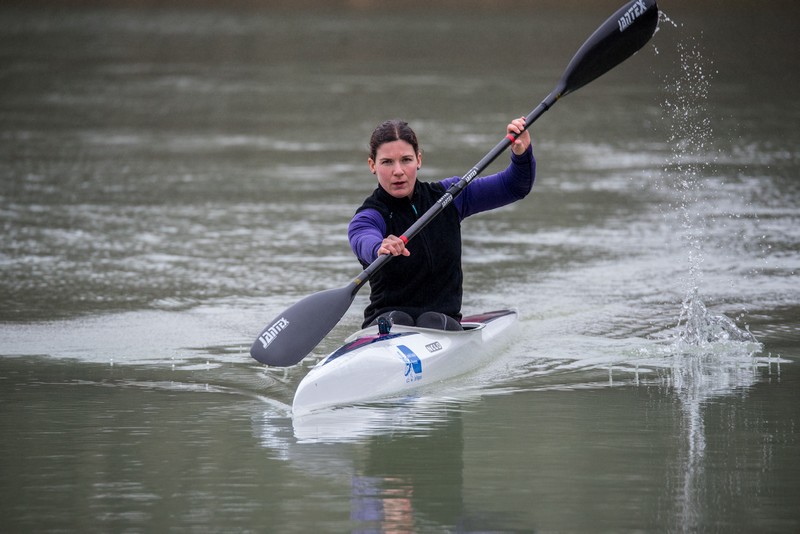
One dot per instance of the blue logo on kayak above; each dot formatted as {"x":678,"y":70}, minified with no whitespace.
{"x":413,"y":364}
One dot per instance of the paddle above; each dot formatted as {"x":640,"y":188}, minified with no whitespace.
{"x":295,"y":332}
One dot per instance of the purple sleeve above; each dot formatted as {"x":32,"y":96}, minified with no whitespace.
{"x":365,"y":233}
{"x":496,"y":190}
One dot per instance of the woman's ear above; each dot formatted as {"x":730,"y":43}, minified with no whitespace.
{"x":371,"y":164}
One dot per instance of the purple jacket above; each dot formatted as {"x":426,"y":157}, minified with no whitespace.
{"x":367,"y":228}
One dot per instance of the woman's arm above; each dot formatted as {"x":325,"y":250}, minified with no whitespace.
{"x":365,"y":233}
{"x":496,"y":190}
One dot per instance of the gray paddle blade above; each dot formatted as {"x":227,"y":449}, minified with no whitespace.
{"x":293,"y":334}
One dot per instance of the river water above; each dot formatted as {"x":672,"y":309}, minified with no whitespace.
{"x":173,"y":178}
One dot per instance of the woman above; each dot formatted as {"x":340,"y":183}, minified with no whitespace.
{"x":423,"y":284}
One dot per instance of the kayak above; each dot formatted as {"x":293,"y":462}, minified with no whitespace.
{"x":371,"y":365}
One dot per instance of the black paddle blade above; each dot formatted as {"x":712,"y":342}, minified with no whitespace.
{"x":621,"y":36}
{"x":292,"y":335}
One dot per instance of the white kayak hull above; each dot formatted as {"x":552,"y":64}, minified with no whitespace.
{"x":370,"y":366}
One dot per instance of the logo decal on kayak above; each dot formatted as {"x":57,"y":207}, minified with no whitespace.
{"x":434,"y":347}
{"x":413,"y":370}
{"x":272,"y":332}
{"x":632,"y":14}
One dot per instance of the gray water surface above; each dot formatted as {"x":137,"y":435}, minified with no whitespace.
{"x":174,"y":177}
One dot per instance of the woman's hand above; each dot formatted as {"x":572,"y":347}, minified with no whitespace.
{"x":524,"y":140}
{"x":393,"y":245}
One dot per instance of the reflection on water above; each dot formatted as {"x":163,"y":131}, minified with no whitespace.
{"x":402,"y":448}
{"x":384,"y":504}
{"x":354,"y":424}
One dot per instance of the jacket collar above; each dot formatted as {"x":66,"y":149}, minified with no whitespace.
{"x":394,"y":202}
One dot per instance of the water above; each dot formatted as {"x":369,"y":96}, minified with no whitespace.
{"x":174,"y":177}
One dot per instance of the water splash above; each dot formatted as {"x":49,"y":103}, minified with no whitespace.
{"x":709,"y":354}
{"x":697,"y":326}
{"x":691,"y":138}
{"x":662,"y":19}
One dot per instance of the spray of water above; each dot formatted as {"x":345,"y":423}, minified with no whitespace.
{"x":691,"y":137}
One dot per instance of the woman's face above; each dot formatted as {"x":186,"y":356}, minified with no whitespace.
{"x":396,"y":166}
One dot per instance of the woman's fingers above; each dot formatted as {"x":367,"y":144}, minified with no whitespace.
{"x":393,"y":245}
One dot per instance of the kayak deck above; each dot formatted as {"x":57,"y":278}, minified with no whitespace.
{"x":370,"y":365}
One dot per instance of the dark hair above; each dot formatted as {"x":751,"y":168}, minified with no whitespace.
{"x":393,"y":130}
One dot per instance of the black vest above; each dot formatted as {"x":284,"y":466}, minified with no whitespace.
{"x":430,"y":279}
